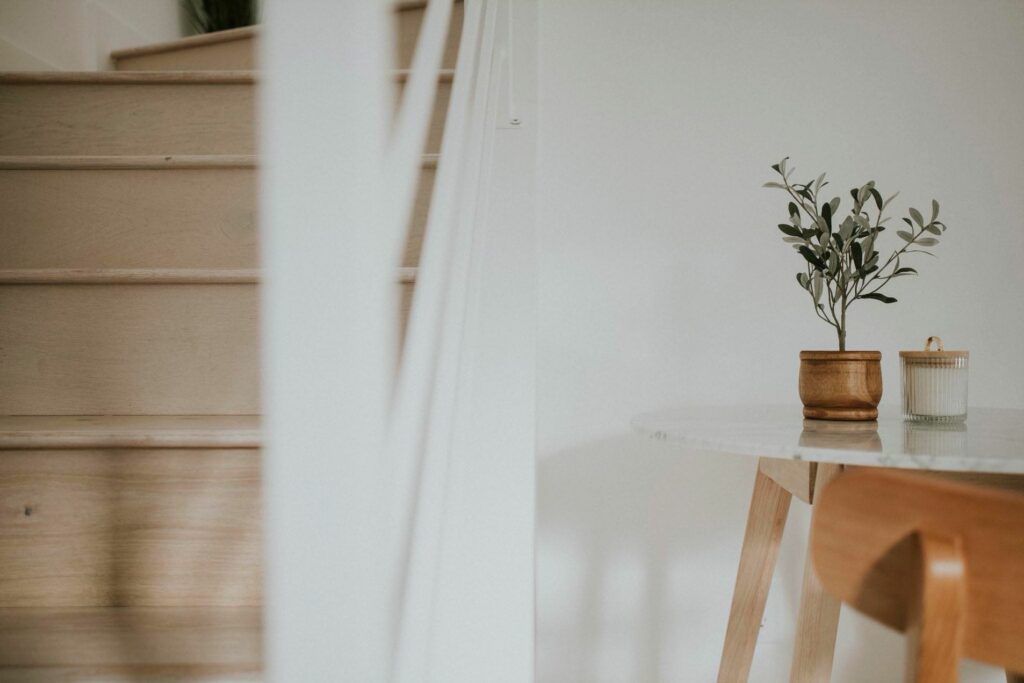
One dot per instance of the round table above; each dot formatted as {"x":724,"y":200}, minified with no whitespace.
{"x":797,"y":457}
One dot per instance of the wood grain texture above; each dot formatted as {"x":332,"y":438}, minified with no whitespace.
{"x":140,"y":350}
{"x":864,"y":545}
{"x":130,"y":528}
{"x":176,"y":218}
{"x":840,"y":385}
{"x":131,"y":674}
{"x":50,"y":432}
{"x":795,"y":476}
{"x":818,"y":618}
{"x":766,"y":520}
{"x":936,"y":610}
{"x":228,"y":639}
{"x":142,"y":115}
{"x":129,"y":276}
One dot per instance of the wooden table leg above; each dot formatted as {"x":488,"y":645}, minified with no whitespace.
{"x":769,"y":507}
{"x":818,"y":621}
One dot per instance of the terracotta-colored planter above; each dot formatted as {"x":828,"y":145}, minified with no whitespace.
{"x":841,"y":385}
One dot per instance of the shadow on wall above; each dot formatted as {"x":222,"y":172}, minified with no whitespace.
{"x":637,"y":545}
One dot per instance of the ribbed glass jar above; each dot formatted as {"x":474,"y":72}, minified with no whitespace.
{"x":934,"y":384}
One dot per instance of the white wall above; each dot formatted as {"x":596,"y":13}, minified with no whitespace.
{"x":79,"y":35}
{"x":664,"y":282}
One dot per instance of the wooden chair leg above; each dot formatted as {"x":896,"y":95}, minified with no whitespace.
{"x":769,"y":508}
{"x":935,"y":620}
{"x":818,"y":621}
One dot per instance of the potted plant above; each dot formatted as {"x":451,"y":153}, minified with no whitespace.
{"x":842,"y":265}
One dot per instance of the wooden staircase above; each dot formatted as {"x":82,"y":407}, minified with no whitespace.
{"x":129,"y":361}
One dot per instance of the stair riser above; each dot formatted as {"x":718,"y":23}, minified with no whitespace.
{"x":143,"y":119}
{"x":168,"y":218}
{"x":129,"y":350}
{"x":130,"y":528}
{"x":242,"y":54}
{"x":126,"y":118}
{"x":200,"y":640}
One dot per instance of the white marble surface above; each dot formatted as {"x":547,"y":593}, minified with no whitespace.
{"x":991,"y":440}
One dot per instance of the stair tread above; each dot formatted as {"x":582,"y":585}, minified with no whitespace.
{"x":119,"y":637}
{"x":213,"y":38}
{"x":24,"y":432}
{"x":156,"y":77}
{"x":86,"y":162}
{"x":149,"y":276}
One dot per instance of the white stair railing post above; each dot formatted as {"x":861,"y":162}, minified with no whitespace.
{"x":329,"y":325}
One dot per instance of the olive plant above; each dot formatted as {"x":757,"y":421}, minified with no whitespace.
{"x":841,"y":262}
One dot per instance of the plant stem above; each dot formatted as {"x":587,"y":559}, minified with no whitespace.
{"x":842,"y":325}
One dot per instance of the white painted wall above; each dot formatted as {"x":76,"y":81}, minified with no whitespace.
{"x":79,"y":35}
{"x":663,"y":282}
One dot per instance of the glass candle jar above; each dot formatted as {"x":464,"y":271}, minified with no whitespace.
{"x":934,"y":383}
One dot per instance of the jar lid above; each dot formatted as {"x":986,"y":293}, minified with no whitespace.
{"x":928,"y":354}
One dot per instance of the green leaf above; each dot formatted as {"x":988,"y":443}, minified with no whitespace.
{"x":802,"y":280}
{"x":916,"y":215}
{"x":790,"y":230}
{"x":794,"y":210}
{"x":816,"y":286}
{"x":817,"y":183}
{"x":847,"y":228}
{"x":927,"y":241}
{"x":811,"y":258}
{"x":906,"y":236}
{"x":778,"y":186}
{"x":878,"y":198}
{"x":889,"y":201}
{"x":834,"y":205}
{"x":905,"y":271}
{"x":933,"y":229}
{"x":858,"y":255}
{"x":935,"y":211}
{"x":878,"y":297}
{"x":826,"y":213}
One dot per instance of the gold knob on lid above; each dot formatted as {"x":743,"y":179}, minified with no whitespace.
{"x":936,"y":340}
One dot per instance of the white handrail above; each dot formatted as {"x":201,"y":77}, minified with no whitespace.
{"x":402,"y":160}
{"x":426,"y":396}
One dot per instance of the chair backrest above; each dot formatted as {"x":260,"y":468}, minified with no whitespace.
{"x":908,"y":549}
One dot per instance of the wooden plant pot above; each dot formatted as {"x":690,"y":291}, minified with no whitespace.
{"x":841,"y":385}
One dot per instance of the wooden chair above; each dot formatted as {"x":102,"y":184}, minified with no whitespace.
{"x":941,"y":561}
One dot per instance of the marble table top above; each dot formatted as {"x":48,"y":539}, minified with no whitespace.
{"x":991,"y":440}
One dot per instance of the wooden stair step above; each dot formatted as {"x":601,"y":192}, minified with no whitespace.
{"x":53,"y":432}
{"x":145,"y":113}
{"x":148,"y":276}
{"x":238,"y":48}
{"x":96,"y":349}
{"x":131,"y":113}
{"x":129,"y":511}
{"x":112,"y":212}
{"x":192,"y":643}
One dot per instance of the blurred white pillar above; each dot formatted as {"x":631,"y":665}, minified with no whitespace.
{"x":329,"y":315}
